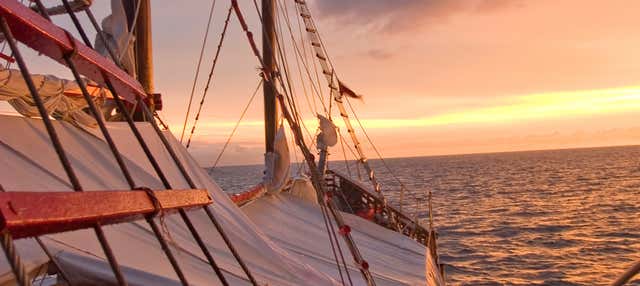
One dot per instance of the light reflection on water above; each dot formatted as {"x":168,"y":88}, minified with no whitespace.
{"x":563,"y":217}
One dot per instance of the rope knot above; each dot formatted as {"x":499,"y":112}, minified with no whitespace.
{"x":157,"y":207}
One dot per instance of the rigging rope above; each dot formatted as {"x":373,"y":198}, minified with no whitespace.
{"x":331,"y":240}
{"x":96,"y":113}
{"x":213,"y":67}
{"x":55,"y":140}
{"x":152,"y":160}
{"x":317,"y":178}
{"x":320,"y":186}
{"x":131,"y":30}
{"x":303,"y":57}
{"x":195,"y":78}
{"x":244,"y":111}
{"x":329,"y":72}
{"x":275,"y":74}
{"x":290,"y":95}
{"x":384,"y":162}
{"x":304,"y":61}
{"x":344,"y":154}
{"x":298,"y":119}
{"x":331,"y":77}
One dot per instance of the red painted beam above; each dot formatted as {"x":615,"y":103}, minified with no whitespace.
{"x":43,"y":36}
{"x":247,"y":196}
{"x":27,"y":214}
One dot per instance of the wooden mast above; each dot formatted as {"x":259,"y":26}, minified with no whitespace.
{"x":269,"y":90}
{"x":141,"y":26}
{"x":144,"y":52}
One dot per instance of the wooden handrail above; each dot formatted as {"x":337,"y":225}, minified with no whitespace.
{"x":27,"y":214}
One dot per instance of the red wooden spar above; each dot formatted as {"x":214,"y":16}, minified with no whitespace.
{"x":33,"y":30}
{"x":26,"y":214}
{"x":249,"y":195}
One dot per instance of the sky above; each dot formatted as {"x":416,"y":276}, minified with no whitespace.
{"x":438,"y":77}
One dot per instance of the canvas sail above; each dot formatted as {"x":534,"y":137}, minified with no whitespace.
{"x":29,"y":164}
{"x":293,"y":256}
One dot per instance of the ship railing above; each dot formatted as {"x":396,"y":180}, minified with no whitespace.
{"x":354,"y":197}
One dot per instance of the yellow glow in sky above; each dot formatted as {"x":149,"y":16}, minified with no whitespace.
{"x":531,"y":107}
{"x":519,"y":108}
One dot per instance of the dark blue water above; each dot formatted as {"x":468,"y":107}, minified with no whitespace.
{"x":562,"y":217}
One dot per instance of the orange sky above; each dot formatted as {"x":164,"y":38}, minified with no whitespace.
{"x":439,"y":77}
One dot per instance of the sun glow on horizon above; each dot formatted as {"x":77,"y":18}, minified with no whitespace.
{"x":518,"y":109}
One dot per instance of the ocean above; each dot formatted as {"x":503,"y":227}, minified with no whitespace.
{"x":559,"y":217}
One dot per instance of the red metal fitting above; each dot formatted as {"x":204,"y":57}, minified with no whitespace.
{"x":328,"y":196}
{"x":9,"y":59}
{"x":345,"y":229}
{"x":157,"y":100}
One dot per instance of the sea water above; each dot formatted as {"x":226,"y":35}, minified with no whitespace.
{"x":560,"y":217}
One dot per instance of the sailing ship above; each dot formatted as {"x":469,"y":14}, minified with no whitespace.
{"x":97,"y":191}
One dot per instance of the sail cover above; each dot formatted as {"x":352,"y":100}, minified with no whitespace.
{"x":28,"y":163}
{"x":277,"y":163}
{"x":281,"y":238}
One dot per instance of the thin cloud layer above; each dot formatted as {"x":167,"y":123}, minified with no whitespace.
{"x":402,"y":15}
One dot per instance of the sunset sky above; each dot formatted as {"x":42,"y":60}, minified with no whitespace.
{"x":438,"y":77}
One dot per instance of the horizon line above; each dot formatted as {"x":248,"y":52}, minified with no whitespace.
{"x":462,"y":154}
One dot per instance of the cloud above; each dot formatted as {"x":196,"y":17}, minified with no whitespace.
{"x":379,"y":54}
{"x":402,"y":15}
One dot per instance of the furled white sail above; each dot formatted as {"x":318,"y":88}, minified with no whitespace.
{"x":328,"y":135}
{"x":52,"y":89}
{"x":277,"y":163}
{"x":118,"y":37}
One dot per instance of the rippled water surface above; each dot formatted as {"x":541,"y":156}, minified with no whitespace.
{"x":563,"y":217}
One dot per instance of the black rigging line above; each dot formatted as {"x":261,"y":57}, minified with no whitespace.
{"x":55,"y":141}
{"x":302,"y":56}
{"x":195,"y":78}
{"x":213,"y":67}
{"x":111,"y":144}
{"x":152,"y":223}
{"x":244,"y":111}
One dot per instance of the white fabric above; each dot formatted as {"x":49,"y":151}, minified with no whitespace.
{"x":28,"y":163}
{"x":116,"y":31}
{"x":277,"y":163}
{"x":303,"y":188}
{"x":13,"y":89}
{"x":298,"y":227}
{"x":283,"y":241}
{"x":328,"y":134}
